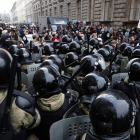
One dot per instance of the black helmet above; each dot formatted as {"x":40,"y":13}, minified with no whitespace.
{"x":111,"y":113}
{"x":52,"y":63}
{"x":94,"y":41}
{"x":127,"y":51}
{"x":109,"y":47}
{"x":123,"y":46}
{"x":13,"y":49}
{"x":86,"y":51}
{"x":90,"y":65}
{"x":5,"y":66}
{"x":134,"y":72}
{"x":64,"y":49}
{"x":46,"y":81}
{"x":105,"y":53}
{"x":47,"y":50}
{"x":56,"y":44}
{"x":36,"y":49}
{"x":66,"y":38}
{"x":135,"y":53}
{"x":100,"y":64}
{"x":94,"y":83}
{"x":24,"y":56}
{"x":130,"y":62}
{"x":57,"y":59}
{"x":75,"y":46}
{"x":71,"y":57}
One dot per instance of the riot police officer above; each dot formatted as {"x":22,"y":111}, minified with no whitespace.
{"x":50,"y":101}
{"x":13,"y":49}
{"x":63,"y":50}
{"x":133,"y":68}
{"x":92,"y":85}
{"x":47,"y":50}
{"x":24,"y":59}
{"x":108,"y":119}
{"x":69,"y":59}
{"x":66,"y":39}
{"x":22,"y":114}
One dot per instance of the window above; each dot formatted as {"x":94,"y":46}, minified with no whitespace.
{"x":108,"y":10}
{"x":50,"y":12}
{"x":90,"y":8}
{"x":46,"y":12}
{"x":135,"y":10}
{"x":79,"y":10}
{"x":54,"y":11}
{"x":69,"y":11}
{"x":43,"y":13}
{"x":61,"y":11}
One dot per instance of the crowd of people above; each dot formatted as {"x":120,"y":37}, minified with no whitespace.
{"x":75,"y":77}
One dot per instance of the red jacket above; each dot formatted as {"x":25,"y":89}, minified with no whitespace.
{"x":53,"y":39}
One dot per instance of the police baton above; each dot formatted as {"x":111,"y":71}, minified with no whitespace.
{"x":31,"y":46}
{"x":19,"y":87}
{"x":73,"y":30}
{"x":9,"y":94}
{"x":75,"y":74}
{"x":110,"y":67}
{"x":88,"y":37}
{"x":74,"y":62}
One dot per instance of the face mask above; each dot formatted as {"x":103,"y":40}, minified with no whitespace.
{"x":24,"y":38}
{"x":108,"y":35}
{"x":119,"y":30}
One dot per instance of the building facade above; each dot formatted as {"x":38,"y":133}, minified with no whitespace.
{"x":115,"y":13}
{"x":5,"y":17}
{"x":81,"y":10}
{"x":14,"y":13}
{"x":21,"y":11}
{"x":29,"y":11}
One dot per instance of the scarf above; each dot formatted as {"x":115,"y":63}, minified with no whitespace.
{"x":51,"y":104}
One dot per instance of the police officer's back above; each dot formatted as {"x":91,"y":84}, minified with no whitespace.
{"x":111,"y":117}
{"x":22,"y":114}
{"x":92,"y":85}
{"x":50,"y":101}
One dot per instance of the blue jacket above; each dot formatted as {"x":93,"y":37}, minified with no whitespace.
{"x":127,"y":34}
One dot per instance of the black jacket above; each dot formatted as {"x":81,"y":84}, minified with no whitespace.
{"x":48,"y":118}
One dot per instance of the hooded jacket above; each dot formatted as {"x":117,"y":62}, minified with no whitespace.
{"x":51,"y":110}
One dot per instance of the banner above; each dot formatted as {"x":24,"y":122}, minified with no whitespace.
{"x":139,"y":24}
{"x":74,"y":21}
{"x":84,"y":22}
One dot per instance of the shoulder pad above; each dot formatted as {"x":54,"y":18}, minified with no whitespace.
{"x":25,"y":104}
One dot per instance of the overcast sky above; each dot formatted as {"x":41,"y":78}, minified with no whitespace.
{"x":6,"y":5}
